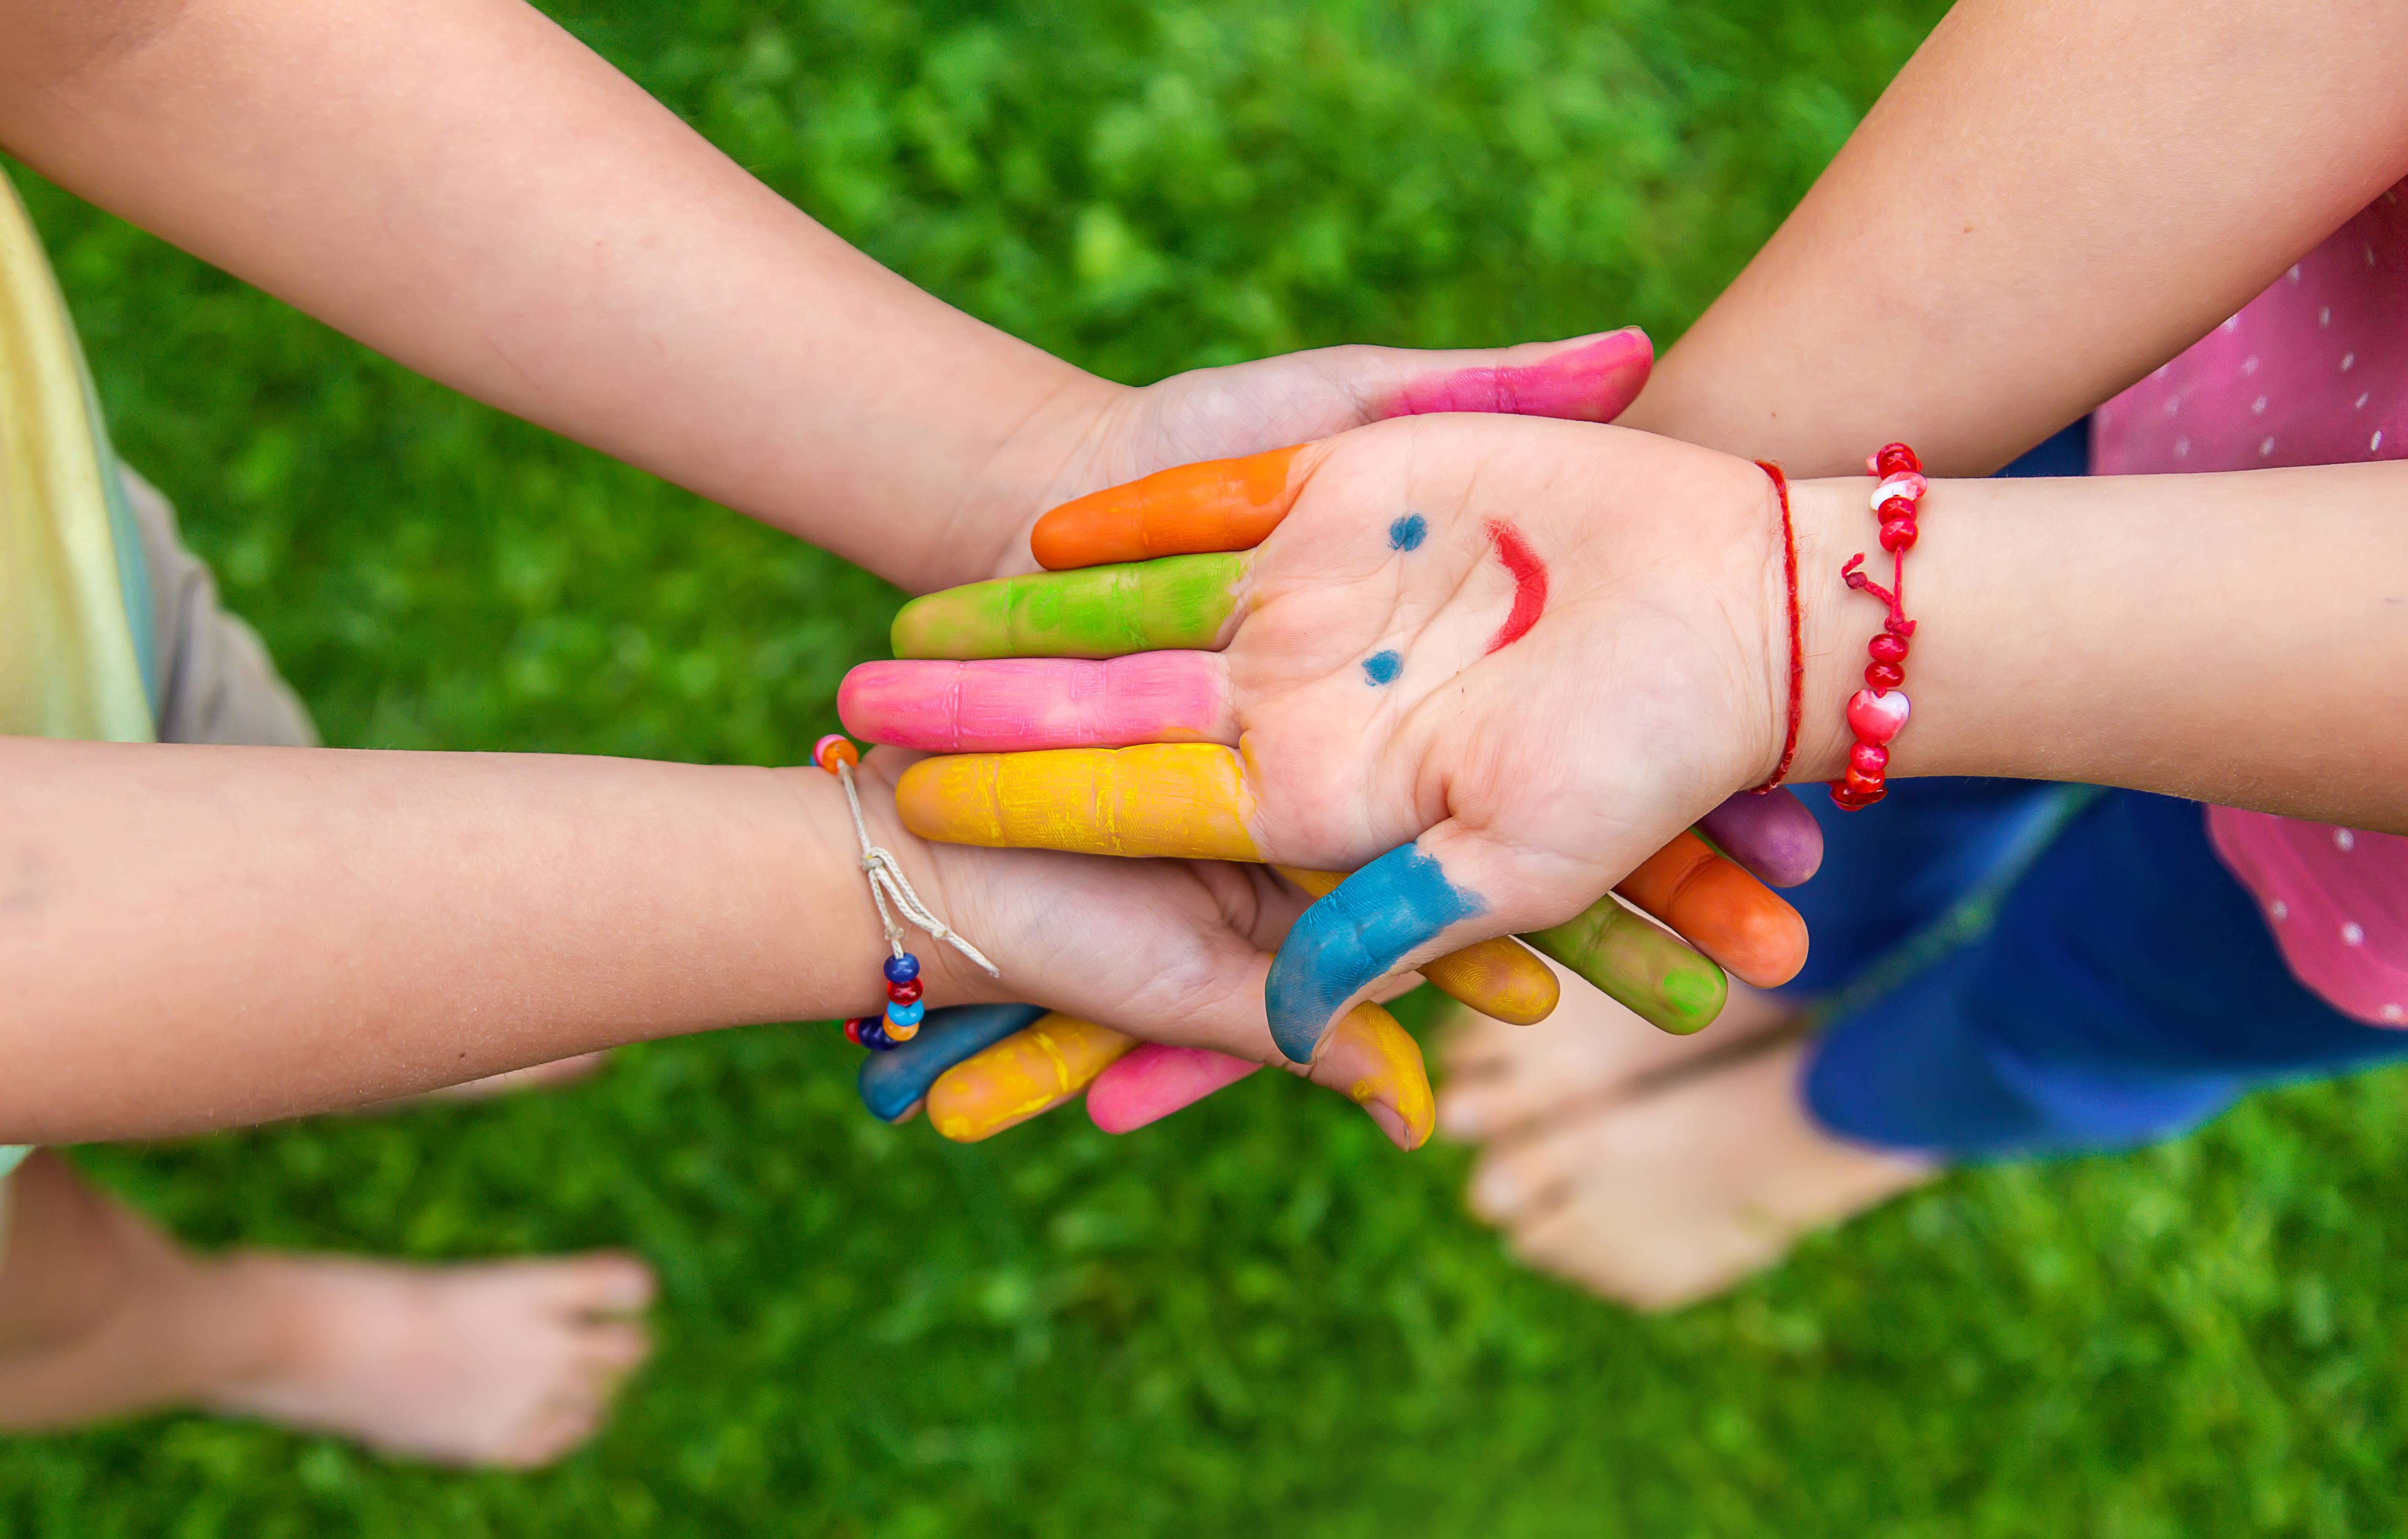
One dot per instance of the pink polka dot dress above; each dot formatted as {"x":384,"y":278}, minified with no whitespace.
{"x":2313,"y":371}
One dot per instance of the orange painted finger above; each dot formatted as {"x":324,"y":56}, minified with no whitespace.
{"x":1500,"y":978}
{"x":1026,"y":1074}
{"x":1220,"y":505}
{"x":1722,"y":910}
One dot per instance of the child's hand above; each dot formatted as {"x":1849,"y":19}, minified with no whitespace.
{"x":1220,"y":413}
{"x":1170,"y":950}
{"x":1533,"y":651}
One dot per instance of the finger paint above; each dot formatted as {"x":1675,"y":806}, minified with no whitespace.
{"x":1355,"y":936}
{"x":893,"y":1082}
{"x":1103,"y":611}
{"x":1529,"y":583}
{"x":1650,"y":972}
{"x":1499,"y":978}
{"x":1591,"y":383}
{"x":1012,"y":705}
{"x":1155,"y":1079}
{"x":1184,"y":800}
{"x":1408,"y":532}
{"x":1375,"y":1062}
{"x":1219,"y":504}
{"x":1721,"y":911}
{"x":1024,"y":1075}
{"x":1773,"y":835}
{"x":1383,"y":667}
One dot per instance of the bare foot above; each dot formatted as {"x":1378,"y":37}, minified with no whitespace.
{"x":510,"y":1363}
{"x":102,"y":1314}
{"x":1668,"y":1197}
{"x":1590,"y":1050}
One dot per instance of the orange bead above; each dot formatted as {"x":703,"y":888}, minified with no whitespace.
{"x":834,"y":750}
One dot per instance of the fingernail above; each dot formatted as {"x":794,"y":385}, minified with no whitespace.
{"x":1393,"y":1125}
{"x":1379,"y":1065}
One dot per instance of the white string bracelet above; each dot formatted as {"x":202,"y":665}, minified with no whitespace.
{"x":893,"y":894}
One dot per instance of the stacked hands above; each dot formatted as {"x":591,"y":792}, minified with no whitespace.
{"x":1454,"y":680}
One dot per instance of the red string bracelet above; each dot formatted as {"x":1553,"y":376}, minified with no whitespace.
{"x":1877,"y":711}
{"x":1797,"y":630}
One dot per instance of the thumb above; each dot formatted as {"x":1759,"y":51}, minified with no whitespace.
{"x":1458,"y":884}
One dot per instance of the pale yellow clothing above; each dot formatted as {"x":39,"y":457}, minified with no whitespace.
{"x":74,"y":609}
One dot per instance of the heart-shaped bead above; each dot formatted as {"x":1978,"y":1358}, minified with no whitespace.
{"x":1907,"y":484}
{"x":1876,"y":718}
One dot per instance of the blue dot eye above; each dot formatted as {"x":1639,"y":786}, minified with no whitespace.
{"x":1384,"y":667}
{"x":1408,"y":532}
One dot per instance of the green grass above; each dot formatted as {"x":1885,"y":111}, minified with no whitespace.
{"x":1257,"y":1318}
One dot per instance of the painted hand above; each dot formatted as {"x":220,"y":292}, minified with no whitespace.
{"x":1217,"y":413}
{"x":1529,"y":653}
{"x":1176,"y":949}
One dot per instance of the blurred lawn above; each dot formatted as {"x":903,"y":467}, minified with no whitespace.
{"x":1256,"y":1318}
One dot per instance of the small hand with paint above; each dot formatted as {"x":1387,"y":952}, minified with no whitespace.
{"x":1529,"y":653}
{"x":1163,"y":948}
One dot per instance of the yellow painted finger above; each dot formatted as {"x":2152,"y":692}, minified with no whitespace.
{"x":1186,"y":800}
{"x":1026,"y":1074}
{"x":1371,"y":1058}
{"x":1500,"y":977}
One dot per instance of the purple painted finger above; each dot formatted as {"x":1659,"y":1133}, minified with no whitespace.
{"x":1011,"y":704}
{"x":1773,"y":835}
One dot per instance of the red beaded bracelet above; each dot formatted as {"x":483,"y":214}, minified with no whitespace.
{"x":1877,"y":711}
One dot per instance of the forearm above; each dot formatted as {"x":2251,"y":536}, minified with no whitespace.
{"x":197,"y":936}
{"x":461,"y":185}
{"x":2239,"y":638}
{"x":2053,"y":198}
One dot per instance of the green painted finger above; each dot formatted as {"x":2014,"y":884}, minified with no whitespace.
{"x":1648,"y":970}
{"x":1178,"y":602}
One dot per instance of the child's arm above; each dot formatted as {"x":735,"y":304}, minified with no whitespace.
{"x":462,"y":185}
{"x":2053,"y":198}
{"x":196,"y":938}
{"x":1492,"y":643}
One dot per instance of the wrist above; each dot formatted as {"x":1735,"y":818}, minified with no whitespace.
{"x":937,"y":874}
{"x":1059,"y":448}
{"x":1834,"y":522}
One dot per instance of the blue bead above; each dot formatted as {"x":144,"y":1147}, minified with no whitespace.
{"x":905,"y":1015}
{"x":873,"y":1036}
{"x":902,"y":969}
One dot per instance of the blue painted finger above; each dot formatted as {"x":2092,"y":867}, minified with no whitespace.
{"x":1356,"y":937}
{"x":892,"y":1083}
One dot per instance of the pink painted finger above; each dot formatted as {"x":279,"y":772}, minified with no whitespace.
{"x":1772,"y":835}
{"x":1013,"y":704}
{"x":1586,"y":381}
{"x":1153,"y":1080}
